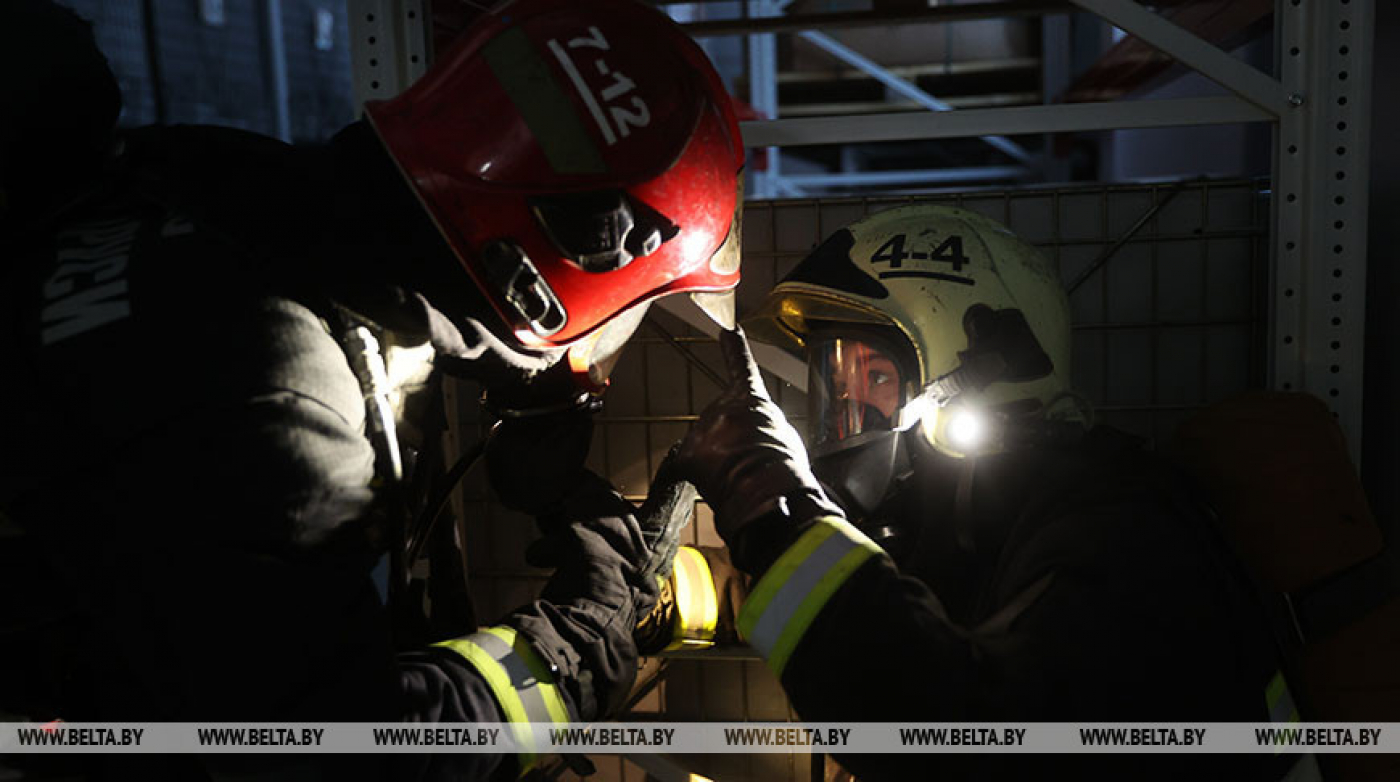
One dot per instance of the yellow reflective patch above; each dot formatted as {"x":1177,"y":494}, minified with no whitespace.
{"x":499,"y":681}
{"x":697,"y":604}
{"x":517,"y":677}
{"x":816,"y":599}
{"x":544,"y":680}
{"x":795,"y":589}
{"x":1277,"y":689}
{"x":777,"y":575}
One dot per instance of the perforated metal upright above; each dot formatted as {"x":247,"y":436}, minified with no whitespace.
{"x":389,"y":46}
{"x":1322,"y":153}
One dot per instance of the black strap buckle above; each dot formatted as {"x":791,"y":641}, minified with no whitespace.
{"x":1323,"y":608}
{"x":520,"y":284}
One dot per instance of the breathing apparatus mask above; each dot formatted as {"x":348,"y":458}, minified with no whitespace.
{"x":860,"y":401}
{"x":857,"y":388}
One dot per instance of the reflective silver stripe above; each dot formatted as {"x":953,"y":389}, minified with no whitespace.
{"x":769,"y":628}
{"x":524,"y":682}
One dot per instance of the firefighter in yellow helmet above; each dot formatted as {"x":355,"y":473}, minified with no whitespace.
{"x":964,"y":545}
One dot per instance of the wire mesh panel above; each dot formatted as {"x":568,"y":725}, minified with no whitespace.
{"x":1167,"y":299}
{"x":1167,"y":305}
{"x":1167,"y":280}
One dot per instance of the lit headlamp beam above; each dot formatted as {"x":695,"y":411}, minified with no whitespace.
{"x":967,"y":430}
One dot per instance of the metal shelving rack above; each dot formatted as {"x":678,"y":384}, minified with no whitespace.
{"x":1308,"y":332}
{"x":1319,"y":105}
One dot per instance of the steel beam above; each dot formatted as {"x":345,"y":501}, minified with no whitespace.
{"x":908,"y":177}
{"x":763,"y":92}
{"x":914,"y":71}
{"x":903,"y":87}
{"x":966,"y":123}
{"x":277,"y":56}
{"x":936,"y":15}
{"x":1211,"y":61}
{"x":1056,"y":44}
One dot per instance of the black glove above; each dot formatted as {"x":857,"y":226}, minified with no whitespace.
{"x":601,"y":587}
{"x":468,"y":349}
{"x":743,"y":455}
{"x":667,"y":510}
{"x":668,"y":507}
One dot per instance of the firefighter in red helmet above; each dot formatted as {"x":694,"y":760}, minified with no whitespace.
{"x":576,"y":173}
{"x":226,"y":352}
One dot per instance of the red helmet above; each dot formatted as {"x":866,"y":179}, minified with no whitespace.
{"x":581,"y":159}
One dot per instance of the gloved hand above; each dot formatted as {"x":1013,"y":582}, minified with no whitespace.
{"x":550,"y":390}
{"x":668,"y":507}
{"x":743,"y":455}
{"x":600,"y":588}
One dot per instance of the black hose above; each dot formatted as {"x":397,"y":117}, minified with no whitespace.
{"x":422,"y":527}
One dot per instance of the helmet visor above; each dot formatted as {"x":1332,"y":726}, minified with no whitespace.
{"x":853,"y":387}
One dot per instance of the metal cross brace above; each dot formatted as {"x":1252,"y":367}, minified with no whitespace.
{"x":1193,"y":52}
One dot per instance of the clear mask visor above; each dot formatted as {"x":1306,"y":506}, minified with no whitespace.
{"x":853,"y":387}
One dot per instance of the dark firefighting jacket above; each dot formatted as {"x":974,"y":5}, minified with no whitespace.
{"x":187,"y":462}
{"x":1087,"y":588}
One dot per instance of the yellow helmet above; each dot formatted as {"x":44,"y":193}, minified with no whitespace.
{"x":974,"y":320}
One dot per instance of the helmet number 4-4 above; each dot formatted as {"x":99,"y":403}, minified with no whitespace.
{"x":637,"y":116}
{"x":950,"y":251}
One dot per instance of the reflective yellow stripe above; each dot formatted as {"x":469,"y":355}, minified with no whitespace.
{"x":697,"y":605}
{"x":506,"y":696}
{"x":1280,"y":700}
{"x":1282,"y":709}
{"x":539,"y":672}
{"x":517,"y":678}
{"x":796,"y":588}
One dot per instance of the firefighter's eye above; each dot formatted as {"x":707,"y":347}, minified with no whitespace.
{"x":878,"y":377}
